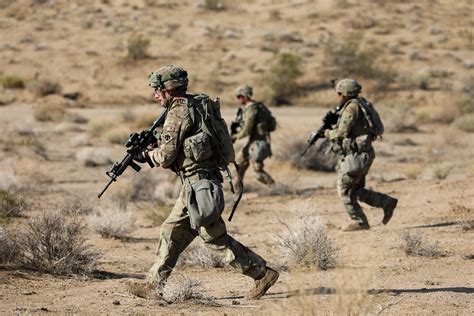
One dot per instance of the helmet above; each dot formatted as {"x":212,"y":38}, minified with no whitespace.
{"x":348,"y":87}
{"x":168,"y":77}
{"x":244,"y":90}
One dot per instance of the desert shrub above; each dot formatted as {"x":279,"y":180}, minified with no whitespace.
{"x":76,"y":118}
{"x":8,"y":250}
{"x":31,"y":174}
{"x":200,"y":256}
{"x":401,"y":117}
{"x":466,"y":123}
{"x":280,"y":80}
{"x":93,"y":157}
{"x":55,"y":244}
{"x":12,"y":82}
{"x":348,"y":59}
{"x":316,"y":158}
{"x":412,"y":171}
{"x":306,"y":242}
{"x":464,"y":214}
{"x":465,"y":104}
{"x":137,"y":47}
{"x":468,"y":36}
{"x":185,"y":289}
{"x":412,"y":244}
{"x":117,"y":135}
{"x":98,"y":128}
{"x":214,"y":5}
{"x":49,"y":112}
{"x":21,"y":138}
{"x":111,"y":222}
{"x":441,"y":171}
{"x":41,"y":88}
{"x":11,"y":204}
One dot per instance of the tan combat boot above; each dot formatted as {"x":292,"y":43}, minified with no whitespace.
{"x":388,"y":210}
{"x":355,"y":226}
{"x":262,"y":285}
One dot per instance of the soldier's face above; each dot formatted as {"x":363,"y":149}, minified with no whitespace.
{"x":241,"y":99}
{"x":160,"y":96}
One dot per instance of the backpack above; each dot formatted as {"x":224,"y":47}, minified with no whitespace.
{"x":265,"y":118}
{"x":372,"y":117}
{"x":213,"y":125}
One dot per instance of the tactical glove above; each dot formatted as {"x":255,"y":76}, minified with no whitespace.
{"x":143,"y":157}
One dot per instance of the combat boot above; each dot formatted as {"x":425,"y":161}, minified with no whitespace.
{"x":262,"y":285}
{"x":355,"y":226}
{"x":145,"y":290}
{"x":388,"y":210}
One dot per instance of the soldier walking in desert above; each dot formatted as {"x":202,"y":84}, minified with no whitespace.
{"x":357,"y":126}
{"x":187,"y":146}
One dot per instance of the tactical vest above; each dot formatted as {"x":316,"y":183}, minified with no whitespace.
{"x":266,"y":122}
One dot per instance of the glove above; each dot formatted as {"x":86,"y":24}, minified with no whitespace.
{"x":143,"y":157}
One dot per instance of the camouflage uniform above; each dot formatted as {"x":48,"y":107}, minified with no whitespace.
{"x":352,"y":140}
{"x":258,"y":147}
{"x":176,"y":232}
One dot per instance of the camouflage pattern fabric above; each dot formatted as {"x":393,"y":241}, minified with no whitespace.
{"x":176,"y":232}
{"x":257,"y":149}
{"x":350,"y":139}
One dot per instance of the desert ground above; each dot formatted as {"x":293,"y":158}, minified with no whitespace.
{"x":73,"y":86}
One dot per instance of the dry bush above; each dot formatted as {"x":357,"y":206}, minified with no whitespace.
{"x":93,"y":157}
{"x":8,"y":181}
{"x":185,"y":289}
{"x":137,"y":47}
{"x":49,"y":112}
{"x":441,"y":171}
{"x":25,"y":137}
{"x":12,"y":205}
{"x":112,"y":222}
{"x":199,"y":256}
{"x":401,"y":117}
{"x":8,"y":250}
{"x":55,"y":244}
{"x":31,"y":174}
{"x":280,"y":80}
{"x":412,"y":244}
{"x":465,"y":104}
{"x":98,"y":128}
{"x":41,"y":88}
{"x":464,"y":214}
{"x":76,"y":118}
{"x":466,"y":123}
{"x":412,"y":171}
{"x":214,"y":5}
{"x":12,"y":82}
{"x":318,"y":157}
{"x":306,"y":242}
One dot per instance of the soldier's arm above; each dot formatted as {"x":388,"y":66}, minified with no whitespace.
{"x":175,"y":129}
{"x":346,"y":122}
{"x":248,"y":122}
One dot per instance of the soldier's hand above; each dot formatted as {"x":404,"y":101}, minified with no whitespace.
{"x":142,"y":156}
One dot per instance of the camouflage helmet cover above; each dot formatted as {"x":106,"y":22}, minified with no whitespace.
{"x":245,"y":90}
{"x":168,"y":77}
{"x":348,"y":87}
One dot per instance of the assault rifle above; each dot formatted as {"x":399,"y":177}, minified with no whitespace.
{"x":136,"y":144}
{"x":329,"y":120}
{"x":236,"y":121}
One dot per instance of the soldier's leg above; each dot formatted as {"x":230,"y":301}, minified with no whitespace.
{"x":175,"y":235}
{"x":233,"y":252}
{"x":348,"y":188}
{"x":261,"y":174}
{"x":377,"y":199}
{"x":243,"y":161}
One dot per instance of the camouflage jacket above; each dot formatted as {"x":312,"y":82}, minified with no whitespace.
{"x":248,"y":125}
{"x":177,"y":127}
{"x":351,"y":131}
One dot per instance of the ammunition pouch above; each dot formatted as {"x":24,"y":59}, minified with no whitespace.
{"x":198,"y":147}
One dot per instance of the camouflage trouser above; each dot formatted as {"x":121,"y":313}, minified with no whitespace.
{"x":351,"y":189}
{"x":244,"y":160}
{"x":176,"y":234}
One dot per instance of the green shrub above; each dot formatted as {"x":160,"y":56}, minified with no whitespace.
{"x":214,"y":5}
{"x":137,"y":47}
{"x":281,"y":78}
{"x":12,"y":82}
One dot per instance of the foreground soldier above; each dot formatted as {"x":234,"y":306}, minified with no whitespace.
{"x":358,"y":125}
{"x":256,"y":123}
{"x":185,"y":148}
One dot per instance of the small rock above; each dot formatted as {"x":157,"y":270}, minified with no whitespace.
{"x":116,"y":302}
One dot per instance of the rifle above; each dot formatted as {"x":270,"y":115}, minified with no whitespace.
{"x":329,"y":119}
{"x":236,"y":121}
{"x":135,"y":144}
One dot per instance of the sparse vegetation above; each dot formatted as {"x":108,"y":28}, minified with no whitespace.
{"x":111,"y":222}
{"x":94,"y":157}
{"x":441,"y":171}
{"x":117,"y":135}
{"x":466,"y":123}
{"x":412,"y":244}
{"x":306,"y":242}
{"x":50,"y":112}
{"x":54,"y":244}
{"x":11,"y":205}
{"x":281,"y":79}
{"x":464,"y":214}
{"x":214,"y":5}
{"x":185,"y":289}
{"x":41,"y":88}
{"x":99,"y":127}
{"x":8,"y":250}
{"x":12,"y":82}
{"x":137,"y":46}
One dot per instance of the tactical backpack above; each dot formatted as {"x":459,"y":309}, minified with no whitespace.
{"x":372,"y":117}
{"x":266,"y":121}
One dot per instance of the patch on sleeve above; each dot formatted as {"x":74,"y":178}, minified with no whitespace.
{"x":167,"y":137}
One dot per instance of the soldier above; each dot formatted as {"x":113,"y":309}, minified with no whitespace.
{"x":181,"y":137}
{"x":357,"y":126}
{"x":256,"y":123}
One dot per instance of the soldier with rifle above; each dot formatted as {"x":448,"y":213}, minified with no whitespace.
{"x":194,"y":143}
